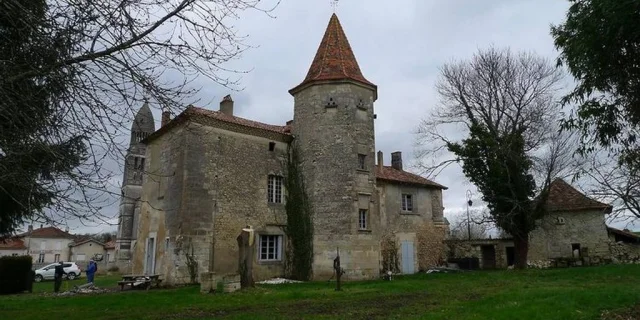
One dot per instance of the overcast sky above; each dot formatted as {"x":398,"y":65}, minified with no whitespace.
{"x":399,"y":46}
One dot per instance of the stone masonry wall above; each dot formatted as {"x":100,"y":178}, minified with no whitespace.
{"x":333,"y":123}
{"x":160,"y":209}
{"x":557,"y":231}
{"x":231,"y":184}
{"x":406,"y":226}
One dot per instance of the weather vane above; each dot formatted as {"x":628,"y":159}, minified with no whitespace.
{"x":334,"y":4}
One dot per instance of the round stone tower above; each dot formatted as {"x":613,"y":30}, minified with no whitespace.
{"x":333,"y":127}
{"x":143,"y":125}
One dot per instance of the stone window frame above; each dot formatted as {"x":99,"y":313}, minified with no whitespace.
{"x":410,"y":208}
{"x":273,"y":198}
{"x":279,"y":246}
{"x":362,"y":162}
{"x":363,"y":220}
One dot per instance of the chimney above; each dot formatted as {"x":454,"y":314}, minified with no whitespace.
{"x":396,"y":160}
{"x":380,"y":159}
{"x":166,"y":117}
{"x":30,"y":229}
{"x":226,"y":105}
{"x":41,"y":226}
{"x":66,"y":229}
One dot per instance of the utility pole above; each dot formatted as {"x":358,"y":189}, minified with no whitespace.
{"x":469,"y":203}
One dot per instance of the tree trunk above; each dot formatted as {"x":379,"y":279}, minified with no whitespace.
{"x":521,"y":251}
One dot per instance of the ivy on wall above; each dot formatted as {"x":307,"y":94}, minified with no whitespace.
{"x":299,"y":228}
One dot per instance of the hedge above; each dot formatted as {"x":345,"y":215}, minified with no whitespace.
{"x":15,"y":274}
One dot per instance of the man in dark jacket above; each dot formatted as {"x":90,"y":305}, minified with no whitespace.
{"x":57,"y":276}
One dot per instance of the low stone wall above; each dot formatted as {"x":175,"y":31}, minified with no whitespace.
{"x":624,"y":252}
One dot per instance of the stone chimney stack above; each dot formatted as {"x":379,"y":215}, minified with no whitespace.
{"x":396,"y":160}
{"x":30,"y":228}
{"x":226,"y":105}
{"x":66,"y":229}
{"x":380,"y":159}
{"x":166,"y":117}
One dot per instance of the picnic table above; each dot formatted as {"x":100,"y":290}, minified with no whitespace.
{"x":140,"y":281}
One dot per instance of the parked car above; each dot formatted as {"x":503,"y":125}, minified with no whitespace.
{"x":47,"y":272}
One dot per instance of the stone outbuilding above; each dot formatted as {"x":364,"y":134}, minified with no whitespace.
{"x":573,"y":228}
{"x":209,"y":174}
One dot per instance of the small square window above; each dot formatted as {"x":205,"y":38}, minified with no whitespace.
{"x":272,"y":146}
{"x":363,"y":223}
{"x":270,"y":248}
{"x":407,"y":202}
{"x":362,"y":164}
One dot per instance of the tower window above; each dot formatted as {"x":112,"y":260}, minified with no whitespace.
{"x":274,"y":189}
{"x":362,"y":164}
{"x":363,"y":224}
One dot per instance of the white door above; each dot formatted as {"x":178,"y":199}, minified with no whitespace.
{"x":408,"y":265}
{"x":150,"y":264}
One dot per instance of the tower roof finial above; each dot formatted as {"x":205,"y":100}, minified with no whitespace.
{"x":334,"y":60}
{"x":334,"y":5}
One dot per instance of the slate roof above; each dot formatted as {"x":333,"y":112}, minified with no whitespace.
{"x":81,"y":241}
{"x":564,"y":197}
{"x":12,"y":244}
{"x":202,"y":115}
{"x":334,"y":59}
{"x":393,"y":175}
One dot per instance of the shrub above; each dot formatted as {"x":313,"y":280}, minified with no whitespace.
{"x":15,"y":274}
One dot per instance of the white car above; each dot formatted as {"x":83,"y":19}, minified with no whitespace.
{"x":48,"y":272}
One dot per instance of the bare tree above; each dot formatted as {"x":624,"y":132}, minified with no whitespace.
{"x":116,"y":55}
{"x":614,"y":182}
{"x":476,"y":227}
{"x":506,"y":106}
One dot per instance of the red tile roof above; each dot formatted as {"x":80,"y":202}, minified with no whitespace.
{"x":195,"y":111}
{"x":48,"y":232}
{"x":110,"y":245}
{"x":192,"y":112}
{"x":12,"y":244}
{"x":391,"y":174}
{"x":564,"y":197}
{"x":334,"y":59}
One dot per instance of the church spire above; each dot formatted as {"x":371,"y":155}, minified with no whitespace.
{"x":334,"y":60}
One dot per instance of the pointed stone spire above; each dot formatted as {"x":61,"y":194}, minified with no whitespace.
{"x":334,"y":60}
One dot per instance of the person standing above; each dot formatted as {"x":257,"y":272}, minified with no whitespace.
{"x":57,"y":276}
{"x":91,"y":270}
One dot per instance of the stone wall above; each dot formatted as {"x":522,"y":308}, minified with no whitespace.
{"x":419,"y":226}
{"x":333,"y":124}
{"x":210,"y":184}
{"x":556,"y":232}
{"x":473,"y":249}
{"x":624,"y":252}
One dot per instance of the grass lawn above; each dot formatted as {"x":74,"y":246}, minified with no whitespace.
{"x":575,"y":293}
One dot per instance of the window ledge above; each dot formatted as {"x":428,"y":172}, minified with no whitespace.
{"x":274,"y":204}
{"x":364,"y":231}
{"x":409,"y":213}
{"x":362,"y":170}
{"x":270,"y":262}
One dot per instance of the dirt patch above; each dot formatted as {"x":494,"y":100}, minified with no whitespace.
{"x":632,"y":313}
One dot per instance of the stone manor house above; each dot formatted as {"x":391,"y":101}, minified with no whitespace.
{"x":191,"y":186}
